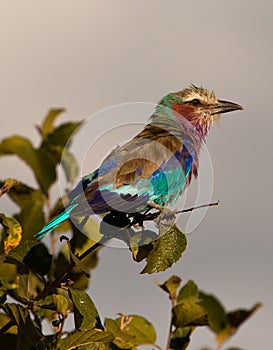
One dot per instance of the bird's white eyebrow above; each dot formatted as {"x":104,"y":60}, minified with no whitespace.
{"x":209,"y":97}
{"x":192,"y":96}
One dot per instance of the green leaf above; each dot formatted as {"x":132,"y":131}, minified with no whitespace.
{"x":217,"y":316}
{"x":38,"y":259}
{"x":54,"y":145}
{"x":141,"y":244}
{"x":81,"y":244}
{"x":86,"y":315}
{"x":23,"y":287}
{"x":167,"y":250}
{"x":141,"y":329}
{"x":3,"y":295}
{"x":180,"y":339}
{"x":37,"y":160}
{"x":7,"y":185}
{"x":131,"y":331}
{"x":31,"y":218}
{"x":13,"y":232}
{"x":237,"y":317}
{"x":28,"y":331}
{"x":79,"y":264}
{"x":88,"y":234}
{"x":76,"y":275}
{"x":77,"y":261}
{"x":188,"y":313}
{"x":54,"y":302}
{"x":4,"y":319}
{"x":46,"y":173}
{"x":8,"y":272}
{"x":60,"y":302}
{"x":93,"y":346}
{"x":112,"y":326}
{"x":8,"y":281}
{"x":46,"y":303}
{"x":188,"y":292}
{"x":70,"y":165}
{"x":22,"y":194}
{"x":60,"y":136}
{"x":8,"y":341}
{"x":171,"y":285}
{"x":48,"y":123}
{"x":85,"y":337}
{"x":18,"y":145}
{"x":18,"y":254}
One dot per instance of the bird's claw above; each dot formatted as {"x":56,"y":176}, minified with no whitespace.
{"x":167,"y":217}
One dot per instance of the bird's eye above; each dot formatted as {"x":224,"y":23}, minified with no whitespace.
{"x":196,"y":102}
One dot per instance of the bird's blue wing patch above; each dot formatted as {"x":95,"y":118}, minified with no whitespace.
{"x":169,"y":180}
{"x":162,"y":187}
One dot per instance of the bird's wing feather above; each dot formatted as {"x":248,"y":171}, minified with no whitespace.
{"x":152,"y":166}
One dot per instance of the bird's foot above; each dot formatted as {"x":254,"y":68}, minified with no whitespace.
{"x":166,"y":216}
{"x":137,"y":221}
{"x":154,"y":205}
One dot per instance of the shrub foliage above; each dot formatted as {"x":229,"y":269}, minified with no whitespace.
{"x":38,"y":284}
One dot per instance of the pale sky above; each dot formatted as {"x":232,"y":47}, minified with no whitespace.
{"x":90,"y":55}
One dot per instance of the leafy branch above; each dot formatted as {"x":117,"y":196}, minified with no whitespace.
{"x":75,"y":260}
{"x":38,"y":283}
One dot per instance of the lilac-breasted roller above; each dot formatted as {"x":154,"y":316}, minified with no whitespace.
{"x":154,"y":167}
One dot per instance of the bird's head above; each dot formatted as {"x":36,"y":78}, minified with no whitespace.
{"x":198,"y":106}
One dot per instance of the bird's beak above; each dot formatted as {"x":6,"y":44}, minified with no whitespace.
{"x":224,"y":107}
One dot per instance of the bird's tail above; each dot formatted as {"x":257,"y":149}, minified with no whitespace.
{"x":54,"y":222}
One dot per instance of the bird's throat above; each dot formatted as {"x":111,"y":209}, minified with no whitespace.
{"x":187,"y":114}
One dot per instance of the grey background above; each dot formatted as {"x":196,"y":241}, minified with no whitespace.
{"x":88,"y":55}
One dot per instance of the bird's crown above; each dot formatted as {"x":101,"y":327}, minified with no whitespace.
{"x":196,"y":95}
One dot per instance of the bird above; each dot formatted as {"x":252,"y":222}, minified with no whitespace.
{"x":152,"y":169}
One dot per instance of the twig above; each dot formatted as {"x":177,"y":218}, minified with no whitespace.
{"x":197,"y":207}
{"x":6,"y":327}
{"x":152,"y":216}
{"x":60,"y":278}
{"x":169,"y":336}
{"x":173,"y":297}
{"x":9,"y":183}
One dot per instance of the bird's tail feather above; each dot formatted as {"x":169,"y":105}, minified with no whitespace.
{"x":54,"y":222}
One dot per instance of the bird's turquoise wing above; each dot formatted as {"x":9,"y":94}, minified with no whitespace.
{"x":162,"y":185}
